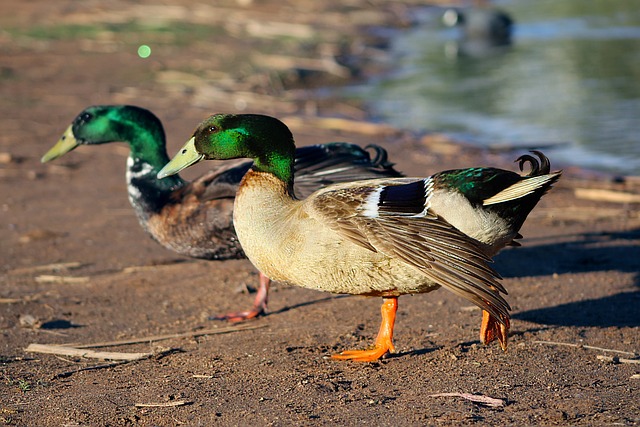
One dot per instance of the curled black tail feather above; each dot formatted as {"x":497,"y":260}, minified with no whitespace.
{"x":381,"y":156}
{"x":538,"y":167}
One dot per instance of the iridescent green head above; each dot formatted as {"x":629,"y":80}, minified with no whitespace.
{"x":109,"y":123}
{"x":264,"y":139}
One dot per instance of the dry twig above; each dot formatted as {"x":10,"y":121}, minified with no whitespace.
{"x":46,"y":278}
{"x":89,"y":354}
{"x":581,"y":213}
{"x":155,"y":338}
{"x":47,"y":267}
{"x":336,"y":123}
{"x":616,"y":359}
{"x":603,"y":195}
{"x":588,"y":347}
{"x":163,"y":404}
{"x":476,"y":398}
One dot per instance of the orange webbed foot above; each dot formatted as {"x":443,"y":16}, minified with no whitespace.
{"x":259,"y":305}
{"x":371,"y":355}
{"x":492,"y":329}
{"x":384,"y":341}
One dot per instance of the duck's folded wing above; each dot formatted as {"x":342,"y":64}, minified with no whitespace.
{"x":321,"y":165}
{"x":393,"y":217}
{"x":220,"y":183}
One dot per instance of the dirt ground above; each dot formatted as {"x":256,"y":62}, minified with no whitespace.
{"x":76,"y":268}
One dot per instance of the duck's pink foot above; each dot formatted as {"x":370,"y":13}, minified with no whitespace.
{"x":259,"y":305}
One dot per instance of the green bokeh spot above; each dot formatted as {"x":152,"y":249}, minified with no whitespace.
{"x":144,"y":51}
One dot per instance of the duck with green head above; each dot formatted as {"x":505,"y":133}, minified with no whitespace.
{"x":385,"y":237}
{"x":195,"y":218}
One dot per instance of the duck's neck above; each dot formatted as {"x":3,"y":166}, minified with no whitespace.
{"x":147,"y":193}
{"x":261,"y":211}
{"x":261,"y":202}
{"x":263,"y":191}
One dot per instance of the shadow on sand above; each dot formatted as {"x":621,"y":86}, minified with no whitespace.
{"x":589,"y":253}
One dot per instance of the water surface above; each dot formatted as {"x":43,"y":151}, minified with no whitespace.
{"x":571,"y":76}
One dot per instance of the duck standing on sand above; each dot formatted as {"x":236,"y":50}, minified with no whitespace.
{"x":386,"y":237}
{"x":195,"y":218}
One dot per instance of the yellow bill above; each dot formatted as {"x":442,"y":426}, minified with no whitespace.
{"x":66,"y":143}
{"x":186,"y":157}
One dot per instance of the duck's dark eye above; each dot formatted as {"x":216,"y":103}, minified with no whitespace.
{"x":84,"y":118}
{"x":213,"y":129}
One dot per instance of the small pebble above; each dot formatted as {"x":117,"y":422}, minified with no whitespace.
{"x":28,"y":321}
{"x":6,"y":158}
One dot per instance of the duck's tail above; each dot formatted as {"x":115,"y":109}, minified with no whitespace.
{"x":533,"y":185}
{"x":515,"y":202}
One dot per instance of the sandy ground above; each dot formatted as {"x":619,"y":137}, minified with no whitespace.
{"x":76,"y":268}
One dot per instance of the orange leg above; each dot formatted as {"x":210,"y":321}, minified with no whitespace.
{"x":492,"y":329}
{"x":384,"y":341}
{"x":259,"y":304}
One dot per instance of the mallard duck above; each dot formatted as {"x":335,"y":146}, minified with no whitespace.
{"x":482,"y":32}
{"x":195,"y":218}
{"x":385,"y":237}
{"x":493,"y":25}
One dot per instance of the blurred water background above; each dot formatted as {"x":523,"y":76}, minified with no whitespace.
{"x":569,"y":79}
